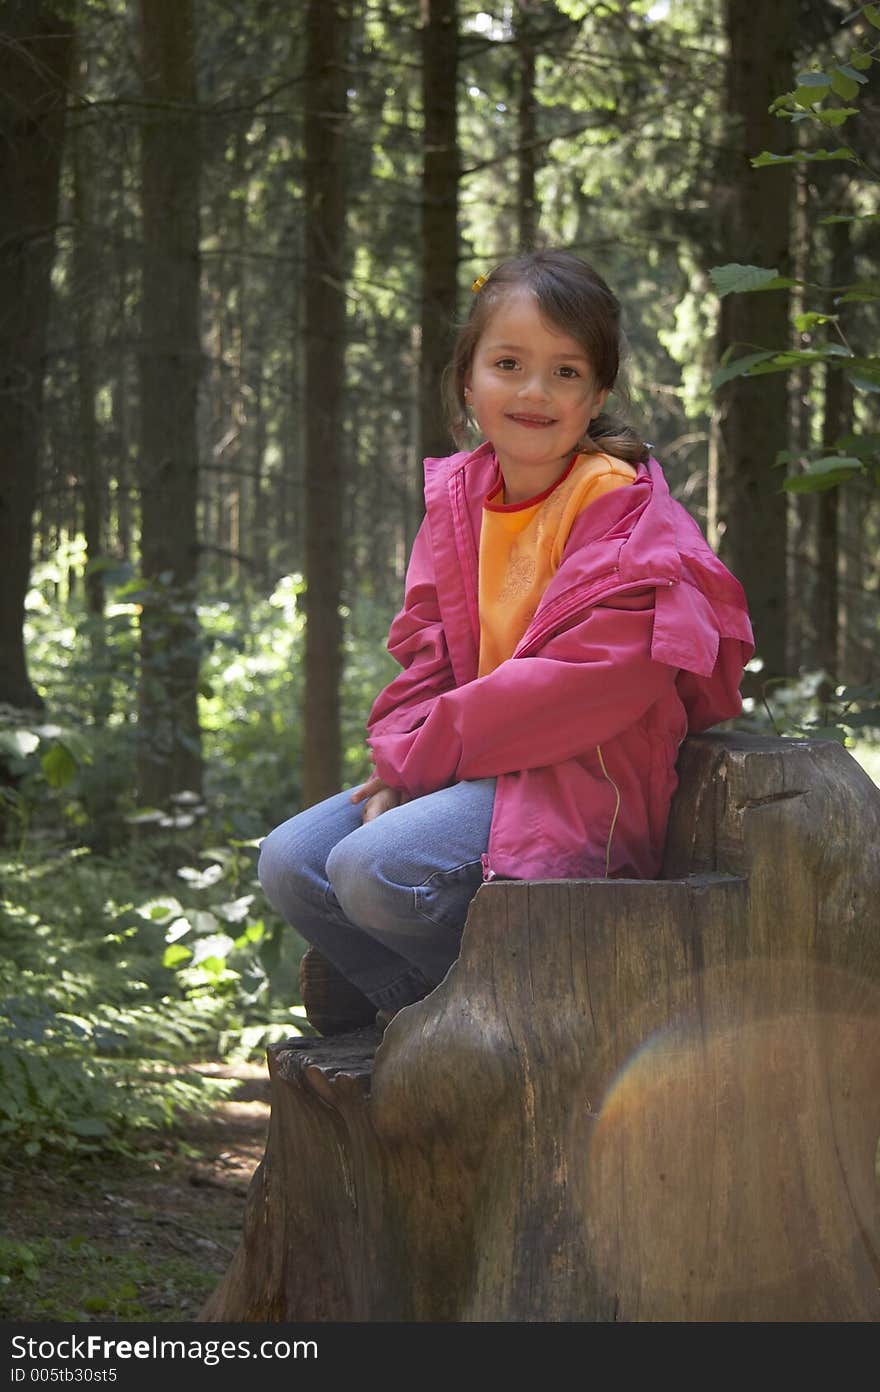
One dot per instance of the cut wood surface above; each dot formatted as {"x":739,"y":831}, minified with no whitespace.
{"x":630,"y":1100}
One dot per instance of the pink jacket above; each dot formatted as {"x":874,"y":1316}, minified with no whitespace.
{"x":640,"y":637}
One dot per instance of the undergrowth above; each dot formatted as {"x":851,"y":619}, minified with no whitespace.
{"x":109,"y":993}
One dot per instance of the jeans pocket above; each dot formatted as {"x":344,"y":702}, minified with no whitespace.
{"x":445,"y":896}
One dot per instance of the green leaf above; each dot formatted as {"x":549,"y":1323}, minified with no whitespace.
{"x":177,"y":929}
{"x":812,"y":79}
{"x":863,"y":383}
{"x":810,"y":483}
{"x":860,"y":60}
{"x":848,"y":217}
{"x":823,"y":474}
{"x":859,"y":294}
{"x":158,"y":910}
{"x":866,"y":367}
{"x":203,"y":920}
{"x":836,"y":115}
{"x":89,"y":1126}
{"x":58,"y":765}
{"x":808,"y":93}
{"x":847,"y":81}
{"x":829,"y":462}
{"x":738,"y":367}
{"x":872,"y":15}
{"x":235,"y":911}
{"x":803,"y":322}
{"x":214,"y":947}
{"x":734,"y":278}
{"x":864,"y":447}
{"x":804,"y":156}
{"x":176,"y":954}
{"x":85,"y":1027}
{"x":201,"y":879}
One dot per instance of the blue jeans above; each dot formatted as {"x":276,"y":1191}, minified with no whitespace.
{"x":384,"y":901}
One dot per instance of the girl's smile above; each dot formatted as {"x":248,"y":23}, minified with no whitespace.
{"x":532,"y":390}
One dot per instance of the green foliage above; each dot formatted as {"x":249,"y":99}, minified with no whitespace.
{"x":804,"y":708}
{"x":733,"y":279}
{"x":98,"y":1026}
{"x":136,"y":940}
{"x":844,"y":81}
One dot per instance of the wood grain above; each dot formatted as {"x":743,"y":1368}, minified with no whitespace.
{"x":629,"y":1100}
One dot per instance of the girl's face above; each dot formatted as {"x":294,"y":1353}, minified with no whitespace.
{"x":532,"y":391}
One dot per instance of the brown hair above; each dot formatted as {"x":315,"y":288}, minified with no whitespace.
{"x":574,"y":298}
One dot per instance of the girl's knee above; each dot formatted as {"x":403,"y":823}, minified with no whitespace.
{"x":273,"y":867}
{"x":293,"y":857}
{"x":358,"y":880}
{"x":287,"y":869}
{"x":345,"y":869}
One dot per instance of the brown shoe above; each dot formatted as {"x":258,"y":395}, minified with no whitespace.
{"x":332,"y":1004}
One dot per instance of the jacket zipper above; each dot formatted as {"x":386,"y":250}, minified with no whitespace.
{"x":616,"y":810}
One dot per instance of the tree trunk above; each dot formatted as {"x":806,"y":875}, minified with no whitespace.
{"x":439,"y":245}
{"x":327,"y":27}
{"x":526,"y":156}
{"x":258,"y":525}
{"x":857,"y":637}
{"x":120,"y":406}
{"x":753,"y":424}
{"x":837,"y":423}
{"x":801,"y":506}
{"x":169,"y":758}
{"x":628,"y":1100}
{"x":87,"y":281}
{"x":36,"y":54}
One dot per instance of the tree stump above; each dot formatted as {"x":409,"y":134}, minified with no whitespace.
{"x":628,"y":1100}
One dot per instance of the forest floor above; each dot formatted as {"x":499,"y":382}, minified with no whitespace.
{"x":141,"y":1239}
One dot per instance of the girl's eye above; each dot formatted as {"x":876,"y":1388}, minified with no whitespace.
{"x":569,"y":372}
{"x":508,"y":364}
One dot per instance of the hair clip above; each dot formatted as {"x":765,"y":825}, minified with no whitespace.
{"x":478,"y":284}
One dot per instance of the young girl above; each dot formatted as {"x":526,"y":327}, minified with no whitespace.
{"x":564,"y":626}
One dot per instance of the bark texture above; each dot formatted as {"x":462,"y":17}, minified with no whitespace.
{"x":169,"y":759}
{"x":440,"y":177}
{"x":753,"y":419}
{"x":36,"y":54}
{"x":628,"y":1100}
{"x":327,"y":27}
{"x":528,"y":211}
{"x":837,"y":423}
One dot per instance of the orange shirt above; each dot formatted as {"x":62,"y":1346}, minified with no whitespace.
{"x":521,"y":546}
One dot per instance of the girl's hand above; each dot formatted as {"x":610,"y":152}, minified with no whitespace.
{"x":380,"y":802}
{"x":373,"y":785}
{"x":377,"y":797}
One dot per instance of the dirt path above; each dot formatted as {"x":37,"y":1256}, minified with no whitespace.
{"x":147,"y":1240}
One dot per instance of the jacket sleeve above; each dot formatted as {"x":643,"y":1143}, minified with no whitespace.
{"x":417,"y":640}
{"x":583,"y":687}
